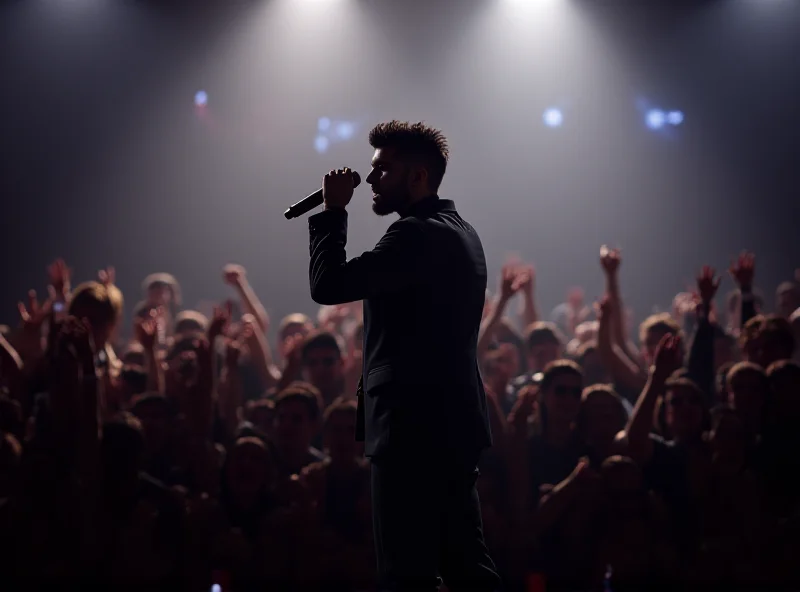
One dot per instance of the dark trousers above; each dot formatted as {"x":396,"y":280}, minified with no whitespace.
{"x":427,"y":524}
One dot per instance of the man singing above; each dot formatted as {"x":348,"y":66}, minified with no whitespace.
{"x":422,"y":406}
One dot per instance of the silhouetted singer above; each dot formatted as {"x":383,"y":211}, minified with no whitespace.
{"x":422,"y":409}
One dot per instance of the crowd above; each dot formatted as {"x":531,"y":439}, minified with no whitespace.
{"x":197,"y":454}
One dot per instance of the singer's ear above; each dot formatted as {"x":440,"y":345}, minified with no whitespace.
{"x":419,"y":175}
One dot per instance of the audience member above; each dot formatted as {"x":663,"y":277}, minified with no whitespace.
{"x":186,"y":457}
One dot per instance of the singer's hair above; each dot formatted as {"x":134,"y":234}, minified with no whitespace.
{"x":415,"y":141}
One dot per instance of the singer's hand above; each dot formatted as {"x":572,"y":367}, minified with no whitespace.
{"x":337,"y":188}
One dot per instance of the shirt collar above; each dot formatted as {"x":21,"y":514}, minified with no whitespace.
{"x":428,"y":205}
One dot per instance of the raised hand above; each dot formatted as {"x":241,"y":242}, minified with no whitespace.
{"x":610,"y":260}
{"x":146,"y":330}
{"x":524,"y":407}
{"x":668,"y":357}
{"x":33,"y":316}
{"x":509,"y":283}
{"x":684,"y":303}
{"x":233,"y":274}
{"x":220,"y":321}
{"x":526,"y":279}
{"x":743,"y":270}
{"x":584,"y":474}
{"x":59,"y":276}
{"x":235,"y":347}
{"x":331,"y":317}
{"x":707,"y":284}
{"x":107,"y":276}
{"x":233,"y":351}
{"x":294,"y":350}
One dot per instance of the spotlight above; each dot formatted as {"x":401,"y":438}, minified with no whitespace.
{"x":323,"y":124}
{"x":553,"y":117}
{"x":655,"y":119}
{"x":344,"y":130}
{"x":675,"y":117}
{"x":201,"y":98}
{"x":321,"y":144}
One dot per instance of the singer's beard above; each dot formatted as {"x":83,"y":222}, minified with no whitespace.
{"x":388,"y":203}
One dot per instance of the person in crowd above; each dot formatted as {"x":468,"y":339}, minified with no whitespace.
{"x":787,"y":298}
{"x":747,"y":388}
{"x":588,"y":358}
{"x":499,"y":368}
{"x":162,"y":290}
{"x":570,"y":314}
{"x":339,"y":490}
{"x":555,"y":447}
{"x":192,"y":459}
{"x":297,"y":420}
{"x":324,"y":365}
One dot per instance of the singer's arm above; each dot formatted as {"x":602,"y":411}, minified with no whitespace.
{"x":399,"y":260}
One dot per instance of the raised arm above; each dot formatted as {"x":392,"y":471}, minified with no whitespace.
{"x":399,"y":260}
{"x":146,"y":331}
{"x":229,"y":392}
{"x":742,"y":271}
{"x":640,"y":424}
{"x":527,"y":286}
{"x":622,"y":368}
{"x":510,"y":283}
{"x":236,"y":277}
{"x":260,"y":351}
{"x":11,"y":370}
{"x":610,"y":261}
{"x":700,"y":364}
{"x":261,"y":354}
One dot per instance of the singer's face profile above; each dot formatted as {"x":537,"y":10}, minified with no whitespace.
{"x":391,"y":182}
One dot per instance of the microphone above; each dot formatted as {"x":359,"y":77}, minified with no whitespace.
{"x":312,"y":201}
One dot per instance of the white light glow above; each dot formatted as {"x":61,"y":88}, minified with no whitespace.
{"x":321,"y":144}
{"x":553,"y":117}
{"x":344,"y":130}
{"x":655,"y":119}
{"x":675,"y":117}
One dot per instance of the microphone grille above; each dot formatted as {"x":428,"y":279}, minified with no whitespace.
{"x":356,"y":179}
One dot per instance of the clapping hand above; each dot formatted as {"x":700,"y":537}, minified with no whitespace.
{"x":513,"y":278}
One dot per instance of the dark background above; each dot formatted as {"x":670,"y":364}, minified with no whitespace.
{"x":106,"y":160}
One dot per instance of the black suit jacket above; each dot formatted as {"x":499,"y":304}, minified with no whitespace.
{"x":423,"y":287}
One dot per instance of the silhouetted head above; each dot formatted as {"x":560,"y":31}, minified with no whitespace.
{"x":409,"y":163}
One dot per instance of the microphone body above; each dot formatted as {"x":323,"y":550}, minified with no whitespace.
{"x":307,"y":204}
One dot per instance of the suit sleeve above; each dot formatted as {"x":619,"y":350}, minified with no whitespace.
{"x":398,"y":261}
